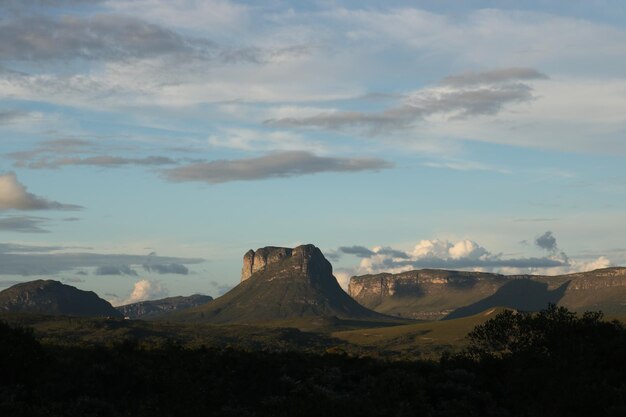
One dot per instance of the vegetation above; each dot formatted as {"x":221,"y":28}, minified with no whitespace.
{"x":553,"y":363}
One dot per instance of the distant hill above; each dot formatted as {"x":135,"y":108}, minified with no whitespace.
{"x":282,"y":284}
{"x":157,"y":308}
{"x":54,"y":298}
{"x":430,"y":294}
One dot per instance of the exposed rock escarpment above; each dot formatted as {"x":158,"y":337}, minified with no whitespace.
{"x":54,"y":298}
{"x":261,"y":259}
{"x":435,"y":294}
{"x":282,"y":284}
{"x":156,"y":308}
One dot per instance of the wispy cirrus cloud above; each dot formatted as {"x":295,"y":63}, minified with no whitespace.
{"x":59,"y":153}
{"x":11,"y":116}
{"x":459,"y":97}
{"x":276,"y":165}
{"x":172,"y":268}
{"x":96,"y":37}
{"x":23,"y":224}
{"x":104,"y":161}
{"x":500,"y":75}
{"x":29,"y":260}
{"x":110,"y":37}
{"x":115,"y":270}
{"x":53,"y":147}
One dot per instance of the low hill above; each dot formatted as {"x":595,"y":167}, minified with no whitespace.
{"x":436,"y":294}
{"x":156,"y":308}
{"x":282,"y":284}
{"x":54,"y":298}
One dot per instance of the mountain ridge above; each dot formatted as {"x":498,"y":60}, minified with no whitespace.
{"x":151,"y":309}
{"x":294,"y":283}
{"x":434,"y":294}
{"x":54,"y":298}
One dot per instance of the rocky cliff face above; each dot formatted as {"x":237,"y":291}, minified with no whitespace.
{"x":54,"y":298}
{"x":282,"y":284}
{"x":435,"y":294}
{"x":157,"y":308}
{"x":426,"y":294}
{"x":601,"y":278}
{"x":261,"y":259}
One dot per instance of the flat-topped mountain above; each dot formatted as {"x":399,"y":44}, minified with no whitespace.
{"x":156,"y":308}
{"x":54,"y":298}
{"x":282,"y":283}
{"x":435,"y":294}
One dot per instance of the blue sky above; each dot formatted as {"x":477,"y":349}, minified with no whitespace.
{"x":148,"y":144}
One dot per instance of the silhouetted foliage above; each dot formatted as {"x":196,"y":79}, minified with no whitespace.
{"x":553,"y":363}
{"x":554,"y":333}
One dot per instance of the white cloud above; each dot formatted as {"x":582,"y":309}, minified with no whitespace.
{"x":147,"y":290}
{"x":343,"y":278}
{"x":569,"y":113}
{"x":256,"y":140}
{"x":495,"y":37}
{"x":467,"y":249}
{"x":464,"y":255}
{"x":13,"y":195}
{"x":445,"y":249}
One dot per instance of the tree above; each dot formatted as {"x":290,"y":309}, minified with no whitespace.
{"x":552,"y":333}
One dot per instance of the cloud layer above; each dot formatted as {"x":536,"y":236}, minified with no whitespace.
{"x":466,"y":255}
{"x":115,"y":270}
{"x":172,"y":268}
{"x":49,"y":260}
{"x":278,"y":165}
{"x":23,"y":224}
{"x":98,"y":37}
{"x":459,"y":97}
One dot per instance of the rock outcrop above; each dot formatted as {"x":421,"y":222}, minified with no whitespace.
{"x":282,"y":284}
{"x":427,"y":294}
{"x":261,"y":259}
{"x":54,"y":298}
{"x":436,"y":294}
{"x":154,"y":309}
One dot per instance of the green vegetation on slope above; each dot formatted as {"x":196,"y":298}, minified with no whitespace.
{"x":426,"y":340}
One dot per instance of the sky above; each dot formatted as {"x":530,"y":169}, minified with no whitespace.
{"x":146,"y":145}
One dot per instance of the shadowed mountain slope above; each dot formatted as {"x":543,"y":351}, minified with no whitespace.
{"x":434,"y":294}
{"x":282,"y":284}
{"x":156,"y":308}
{"x":54,"y":298}
{"x":519,"y":294}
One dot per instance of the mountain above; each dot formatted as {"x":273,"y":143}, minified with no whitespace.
{"x":431,"y":294}
{"x":157,"y":308}
{"x":54,"y":298}
{"x":282,"y":284}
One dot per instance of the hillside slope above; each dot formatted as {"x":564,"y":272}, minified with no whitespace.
{"x":54,"y":298}
{"x":282,"y":284}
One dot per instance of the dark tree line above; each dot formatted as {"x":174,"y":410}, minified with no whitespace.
{"x":553,"y":363}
